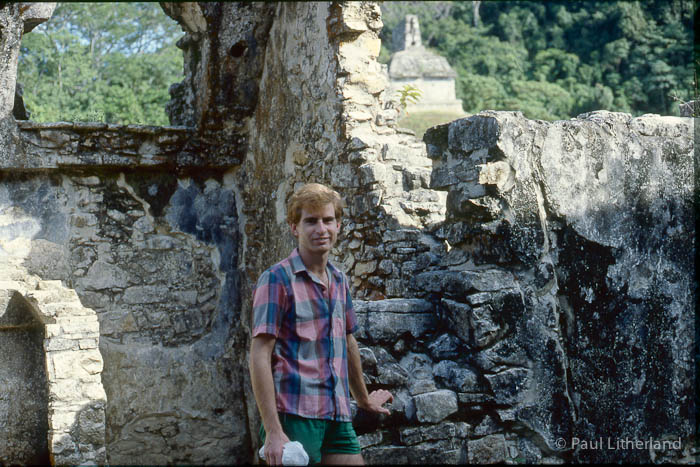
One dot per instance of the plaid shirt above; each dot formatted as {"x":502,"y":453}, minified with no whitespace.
{"x":309,"y":360}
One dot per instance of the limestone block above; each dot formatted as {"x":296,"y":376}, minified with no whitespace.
{"x":435,"y":406}
{"x":487,"y":426}
{"x":444,"y":347}
{"x":372,"y":172}
{"x":384,"y":320}
{"x":144,"y":294}
{"x":458,"y":377}
{"x":411,"y":436}
{"x":509,"y":386}
{"x":417,"y":365}
{"x":486,"y":329}
{"x":385,"y":266}
{"x":364,"y":268}
{"x":368,"y":360}
{"x":471,"y":398}
{"x":443,"y":452}
{"x":33,"y":14}
{"x":64,"y":389}
{"x":421,"y":386}
{"x":343,"y":176}
{"x":62,"y":420}
{"x":52,"y":295}
{"x":498,"y":173}
{"x":370,"y":439}
{"x":74,"y":364}
{"x":457,"y":284}
{"x":458,"y":316}
{"x":91,"y":361}
{"x":391,"y":374}
{"x":487,"y":450}
{"x":61,"y":344}
{"x":403,"y":404}
{"x":103,"y":275}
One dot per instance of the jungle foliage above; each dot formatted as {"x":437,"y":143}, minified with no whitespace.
{"x":104,"y":62}
{"x":114,"y":62}
{"x":558,"y":59}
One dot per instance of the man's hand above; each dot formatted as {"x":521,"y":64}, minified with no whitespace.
{"x":274,"y":446}
{"x":375,"y":400}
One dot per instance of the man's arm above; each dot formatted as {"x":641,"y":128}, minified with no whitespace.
{"x":371,"y":402}
{"x":264,"y":389}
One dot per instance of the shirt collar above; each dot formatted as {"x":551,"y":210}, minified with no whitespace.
{"x":298,"y":265}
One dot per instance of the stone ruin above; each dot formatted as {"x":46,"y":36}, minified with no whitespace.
{"x":523,"y":287}
{"x":416,"y":66}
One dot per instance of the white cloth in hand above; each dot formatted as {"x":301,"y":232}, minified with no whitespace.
{"x":292,"y":454}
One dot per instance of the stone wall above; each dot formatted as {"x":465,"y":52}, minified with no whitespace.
{"x":495,"y":285}
{"x":53,"y":403}
{"x":561,"y":314}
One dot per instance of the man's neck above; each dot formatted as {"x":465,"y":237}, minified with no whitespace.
{"x":314,"y":263}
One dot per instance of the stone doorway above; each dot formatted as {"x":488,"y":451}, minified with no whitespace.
{"x":23,"y":384}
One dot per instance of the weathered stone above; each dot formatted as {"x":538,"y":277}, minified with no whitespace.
{"x":490,"y":449}
{"x":487,"y":426}
{"x":509,"y":386}
{"x":460,"y":379}
{"x":384,"y":319}
{"x":575,"y":208}
{"x":417,"y":365}
{"x":421,"y":386}
{"x":410,"y":436}
{"x":370,"y":439}
{"x":444,"y":347}
{"x":435,"y":406}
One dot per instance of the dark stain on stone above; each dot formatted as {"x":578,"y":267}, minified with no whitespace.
{"x":156,"y":189}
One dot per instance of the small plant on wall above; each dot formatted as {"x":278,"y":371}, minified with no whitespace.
{"x":408,"y":94}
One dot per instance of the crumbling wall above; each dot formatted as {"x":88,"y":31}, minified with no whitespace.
{"x":585,"y":222}
{"x":487,"y":300}
{"x":53,"y":403}
{"x":559,"y":325}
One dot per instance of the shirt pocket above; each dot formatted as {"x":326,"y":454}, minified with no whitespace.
{"x":306,"y":324}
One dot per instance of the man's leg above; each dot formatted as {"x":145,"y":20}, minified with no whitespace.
{"x":341,"y":446}
{"x":342,"y":459}
{"x":308,"y":432}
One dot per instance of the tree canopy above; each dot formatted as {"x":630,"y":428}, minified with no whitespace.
{"x":108,"y":62}
{"x":114,"y":62}
{"x":558,"y":59}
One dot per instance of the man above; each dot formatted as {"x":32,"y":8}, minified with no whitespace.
{"x":303,"y":356}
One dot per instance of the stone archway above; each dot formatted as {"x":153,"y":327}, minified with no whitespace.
{"x":52,"y":401}
{"x":23,"y":389}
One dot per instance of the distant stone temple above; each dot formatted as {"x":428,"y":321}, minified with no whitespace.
{"x":413,"y":64}
{"x":517,"y":283}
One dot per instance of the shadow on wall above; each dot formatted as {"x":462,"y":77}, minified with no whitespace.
{"x":23,"y":385}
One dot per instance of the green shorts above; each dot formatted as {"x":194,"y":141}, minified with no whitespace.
{"x":318,"y":436}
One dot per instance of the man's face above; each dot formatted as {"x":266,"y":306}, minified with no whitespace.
{"x":317,"y":229}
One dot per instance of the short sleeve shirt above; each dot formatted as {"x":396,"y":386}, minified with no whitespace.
{"x":310,"y":322}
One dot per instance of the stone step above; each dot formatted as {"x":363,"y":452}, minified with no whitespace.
{"x":63,"y":295}
{"x":65,"y":309}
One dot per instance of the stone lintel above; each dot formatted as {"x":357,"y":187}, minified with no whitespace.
{"x":94,"y":145}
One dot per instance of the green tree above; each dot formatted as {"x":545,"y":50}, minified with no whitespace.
{"x":110,"y":62}
{"x":559,"y":58}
